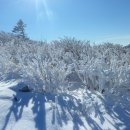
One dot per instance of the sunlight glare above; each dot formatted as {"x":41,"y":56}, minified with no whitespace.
{"x":43,"y":9}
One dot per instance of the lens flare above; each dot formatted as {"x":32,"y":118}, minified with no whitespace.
{"x":42,"y":9}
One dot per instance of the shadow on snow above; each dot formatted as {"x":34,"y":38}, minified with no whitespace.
{"x":38,"y":108}
{"x":68,"y":108}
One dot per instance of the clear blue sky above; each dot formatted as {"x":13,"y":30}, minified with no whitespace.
{"x":94,"y":20}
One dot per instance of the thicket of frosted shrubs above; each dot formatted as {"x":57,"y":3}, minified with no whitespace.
{"x":57,"y":65}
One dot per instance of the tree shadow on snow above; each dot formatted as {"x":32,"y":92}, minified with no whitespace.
{"x":17,"y":107}
{"x":118,"y":109}
{"x":70,"y":108}
{"x":67,"y":107}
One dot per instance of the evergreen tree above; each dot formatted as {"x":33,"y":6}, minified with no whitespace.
{"x":19,"y":30}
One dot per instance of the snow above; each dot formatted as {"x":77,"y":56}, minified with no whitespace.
{"x":64,"y":111}
{"x":87,"y":86}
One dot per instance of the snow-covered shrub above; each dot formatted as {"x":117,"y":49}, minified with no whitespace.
{"x":47,"y":66}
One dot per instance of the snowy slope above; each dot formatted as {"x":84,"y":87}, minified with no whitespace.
{"x":67,"y":111}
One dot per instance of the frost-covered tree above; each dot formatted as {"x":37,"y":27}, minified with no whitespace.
{"x":19,"y":30}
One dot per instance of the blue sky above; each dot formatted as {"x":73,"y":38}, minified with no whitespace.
{"x":94,"y":20}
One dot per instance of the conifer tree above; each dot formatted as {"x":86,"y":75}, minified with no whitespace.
{"x":19,"y":30}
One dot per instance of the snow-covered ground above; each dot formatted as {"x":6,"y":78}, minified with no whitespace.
{"x":67,"y":111}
